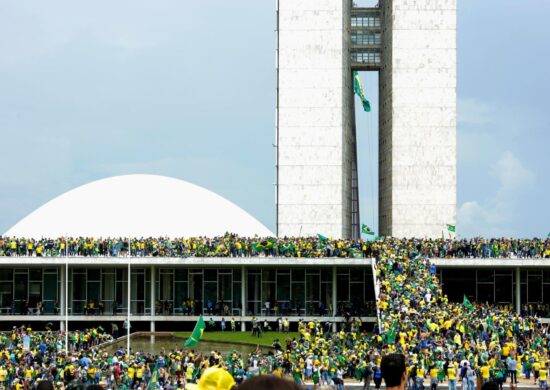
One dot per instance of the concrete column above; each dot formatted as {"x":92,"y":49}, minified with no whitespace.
{"x":518,"y":290}
{"x":334,"y":301}
{"x":153,"y":295}
{"x":152,"y":305}
{"x":243,"y":298}
{"x":62,"y":298}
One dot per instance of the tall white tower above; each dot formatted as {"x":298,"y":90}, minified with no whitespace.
{"x":412,"y":43}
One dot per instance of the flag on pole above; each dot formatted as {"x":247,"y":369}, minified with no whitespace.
{"x":365,"y":229}
{"x":154,"y":382}
{"x":359,"y":91}
{"x":195,"y":337}
{"x":451,"y":228}
{"x":390,"y":336}
{"x":467,"y":303}
{"x":322,"y":238}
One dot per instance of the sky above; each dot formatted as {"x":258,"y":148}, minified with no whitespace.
{"x":186,"y":89}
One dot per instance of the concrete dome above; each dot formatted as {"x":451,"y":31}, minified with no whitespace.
{"x":138,"y":206}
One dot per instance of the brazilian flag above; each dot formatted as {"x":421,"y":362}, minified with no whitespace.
{"x":366,"y":230}
{"x":322,"y":238}
{"x":195,"y":337}
{"x":451,"y":228}
{"x":359,"y":91}
{"x":287,"y":247}
{"x":154,"y":382}
{"x":263,"y":245}
{"x":467,"y":303}
{"x":392,"y":333}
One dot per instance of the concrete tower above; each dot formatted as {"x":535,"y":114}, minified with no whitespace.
{"x":412,"y":43}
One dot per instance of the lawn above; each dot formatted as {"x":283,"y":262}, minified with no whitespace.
{"x":242,"y":337}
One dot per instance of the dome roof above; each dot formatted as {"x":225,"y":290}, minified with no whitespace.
{"x":138,"y":206}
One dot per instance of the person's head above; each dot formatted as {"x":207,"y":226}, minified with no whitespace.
{"x":491,"y":385}
{"x":394,"y":370}
{"x":268,"y":382}
{"x":45,"y":385}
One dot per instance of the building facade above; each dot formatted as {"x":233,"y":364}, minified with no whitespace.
{"x":170,"y":293}
{"x":412,"y":44}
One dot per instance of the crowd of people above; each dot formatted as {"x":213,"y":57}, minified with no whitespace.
{"x":231,"y":245}
{"x":441,"y":341}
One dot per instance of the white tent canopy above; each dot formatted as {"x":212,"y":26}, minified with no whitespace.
{"x":138,"y":206}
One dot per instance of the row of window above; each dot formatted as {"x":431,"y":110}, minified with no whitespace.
{"x":368,"y":57}
{"x":366,"y":38}
{"x":365,"y":21}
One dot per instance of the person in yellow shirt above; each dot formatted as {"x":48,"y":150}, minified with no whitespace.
{"x":451,"y":373}
{"x":485,"y":373}
{"x":3,"y":377}
{"x":542,"y":378}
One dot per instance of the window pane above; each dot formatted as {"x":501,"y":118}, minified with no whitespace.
{"x":342,"y":289}
{"x":283,"y":287}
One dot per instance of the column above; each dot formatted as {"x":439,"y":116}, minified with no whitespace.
{"x":334,"y":301}
{"x":243,"y":298}
{"x":518,"y":290}
{"x":152,"y":304}
{"x":62,"y":297}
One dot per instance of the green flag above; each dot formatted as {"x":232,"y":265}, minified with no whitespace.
{"x":390,"y":336}
{"x":365,"y":229}
{"x":287,"y":247}
{"x":467,"y":303}
{"x":197,"y":333}
{"x":263,"y":245}
{"x":154,"y":382}
{"x":359,"y":91}
{"x":548,"y":234}
{"x":322,"y":238}
{"x":451,"y":228}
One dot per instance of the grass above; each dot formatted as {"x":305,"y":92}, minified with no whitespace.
{"x":242,"y":337}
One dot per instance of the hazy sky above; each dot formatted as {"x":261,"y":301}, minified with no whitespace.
{"x":92,"y":89}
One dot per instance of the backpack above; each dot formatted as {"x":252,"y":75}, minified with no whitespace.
{"x":378,"y":374}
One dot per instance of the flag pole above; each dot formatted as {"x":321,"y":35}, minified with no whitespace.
{"x":66,"y":296}
{"x":129,"y":302}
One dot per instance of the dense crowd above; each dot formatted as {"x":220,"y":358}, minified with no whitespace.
{"x":231,"y":245}
{"x":443,"y":341}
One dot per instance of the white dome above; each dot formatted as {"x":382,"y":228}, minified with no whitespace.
{"x":138,"y":206}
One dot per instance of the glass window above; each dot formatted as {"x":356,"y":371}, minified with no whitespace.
{"x":326,"y":275}
{"x":534,"y":287}
{"x":268,"y":291}
{"x":35,"y":274}
{"x":485,"y":275}
{"x":342,"y":288}
{"x":313,"y":287}
{"x":50,"y":287}
{"x":283,"y":287}
{"x":181,"y":274}
{"x":6,"y":274}
{"x":237,"y":275}
{"x":298,"y":296}
{"x":210,"y":292}
{"x":94,"y":274}
{"x":254,"y":286}
{"x":268,"y":275}
{"x":224,"y":286}
{"x":298,"y":275}
{"x":210,"y":275}
{"x":503,"y":289}
{"x":485,"y":292}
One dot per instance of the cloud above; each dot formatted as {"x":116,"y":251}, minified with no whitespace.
{"x":511,"y":173}
{"x":496,"y":215}
{"x":472,"y":111}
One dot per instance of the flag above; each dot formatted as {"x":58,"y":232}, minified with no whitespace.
{"x":359,"y":91}
{"x":197,"y":333}
{"x":322,"y":238}
{"x":154,"y":382}
{"x":390,"y":336}
{"x":467,"y":303}
{"x":365,"y":229}
{"x":548,"y":234}
{"x":451,"y":228}
{"x":263,"y":245}
{"x":377,"y":238}
{"x":287,"y":247}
